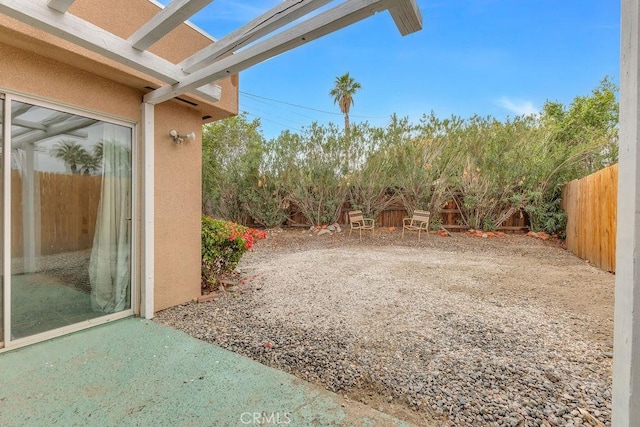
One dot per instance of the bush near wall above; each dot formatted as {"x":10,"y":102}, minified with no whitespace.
{"x":223,"y":244}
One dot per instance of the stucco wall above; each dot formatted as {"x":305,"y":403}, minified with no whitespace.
{"x":122,"y":17}
{"x":177,"y":207}
{"x":44,"y":66}
{"x":48,"y":79}
{"x":177,"y":168}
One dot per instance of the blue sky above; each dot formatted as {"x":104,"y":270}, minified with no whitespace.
{"x":487,"y":57}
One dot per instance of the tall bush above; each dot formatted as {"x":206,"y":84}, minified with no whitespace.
{"x":491,"y":168}
{"x":425,"y":159}
{"x":312,"y":171}
{"x":580,"y":139}
{"x":370,"y":180}
{"x":237,"y":174}
{"x":223,"y":244}
{"x":232,"y":152}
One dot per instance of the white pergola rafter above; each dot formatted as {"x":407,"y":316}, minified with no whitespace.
{"x":74,"y":133}
{"x":18,"y":109}
{"x":29,"y":126}
{"x":89,"y":36}
{"x":51,"y":131}
{"x":343,"y":15}
{"x":166,"y":20}
{"x":406,"y":15}
{"x":60,"y":5}
{"x":276,"y":18}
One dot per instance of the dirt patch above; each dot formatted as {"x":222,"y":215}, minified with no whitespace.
{"x":515,"y":269}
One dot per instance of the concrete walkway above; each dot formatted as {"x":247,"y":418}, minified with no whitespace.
{"x":135,"y":372}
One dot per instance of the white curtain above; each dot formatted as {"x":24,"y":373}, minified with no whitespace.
{"x":110,"y":264}
{"x":24,"y":161}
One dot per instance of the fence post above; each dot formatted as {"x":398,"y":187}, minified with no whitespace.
{"x":626,"y":342}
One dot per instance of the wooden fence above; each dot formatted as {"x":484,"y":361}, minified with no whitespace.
{"x":591,"y":207}
{"x":450,"y":215}
{"x":65,"y":212}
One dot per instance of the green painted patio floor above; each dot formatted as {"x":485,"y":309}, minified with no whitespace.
{"x":135,"y":372}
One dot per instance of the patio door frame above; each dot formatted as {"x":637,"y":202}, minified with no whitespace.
{"x":6,"y":343}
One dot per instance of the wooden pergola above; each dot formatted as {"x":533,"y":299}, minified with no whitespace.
{"x":249,"y":45}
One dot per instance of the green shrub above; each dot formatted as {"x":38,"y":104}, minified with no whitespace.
{"x":435,"y":222}
{"x":547,"y":215}
{"x":265,"y":203}
{"x":491,"y":169}
{"x":223,"y":244}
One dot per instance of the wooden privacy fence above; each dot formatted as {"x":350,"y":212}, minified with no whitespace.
{"x":393,"y":215}
{"x":66,"y":212}
{"x":591,"y":207}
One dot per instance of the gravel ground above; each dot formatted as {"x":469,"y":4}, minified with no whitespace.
{"x":448,"y":331}
{"x":67,"y":268}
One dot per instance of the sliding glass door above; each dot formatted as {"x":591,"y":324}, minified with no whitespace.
{"x":70,"y":223}
{"x":2,"y":281}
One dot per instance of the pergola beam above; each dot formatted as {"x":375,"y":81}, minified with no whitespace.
{"x":166,"y":20}
{"x":60,"y":5}
{"x":53,"y":130}
{"x":325,"y":23}
{"x":28,"y":124}
{"x":18,"y":109}
{"x":276,"y":18}
{"x":78,"y":134}
{"x":95,"y":39}
{"x":28,"y":127}
{"x":407,"y":16}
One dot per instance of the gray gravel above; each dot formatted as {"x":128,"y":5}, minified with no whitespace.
{"x":392,"y":322}
{"x":69,"y":268}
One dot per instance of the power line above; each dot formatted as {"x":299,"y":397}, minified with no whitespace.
{"x":286,"y":127}
{"x":272,"y":114}
{"x":286,"y":109}
{"x":333,"y":113}
{"x":293,"y":105}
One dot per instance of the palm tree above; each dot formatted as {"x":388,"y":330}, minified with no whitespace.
{"x":70,"y":152}
{"x":342,"y":93}
{"x":98,"y":151}
{"x":90,"y":164}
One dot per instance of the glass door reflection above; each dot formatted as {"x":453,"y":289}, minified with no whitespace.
{"x":2,"y":312}
{"x":70,"y":219}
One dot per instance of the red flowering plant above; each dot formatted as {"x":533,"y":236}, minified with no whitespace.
{"x":223,"y":244}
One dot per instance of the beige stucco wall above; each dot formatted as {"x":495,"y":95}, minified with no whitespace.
{"x":37,"y":64}
{"x":177,"y":207}
{"x":122,"y":18}
{"x":28,"y":74}
{"x":42,"y":77}
{"x":177,"y":168}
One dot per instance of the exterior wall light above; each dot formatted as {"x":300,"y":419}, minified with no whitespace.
{"x":179,"y":138}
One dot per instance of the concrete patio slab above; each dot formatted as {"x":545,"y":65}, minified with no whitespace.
{"x":137,"y":372}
